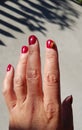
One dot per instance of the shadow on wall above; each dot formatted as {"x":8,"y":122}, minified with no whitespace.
{"x":33,"y":15}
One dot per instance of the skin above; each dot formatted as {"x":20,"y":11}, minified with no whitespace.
{"x":33,"y":104}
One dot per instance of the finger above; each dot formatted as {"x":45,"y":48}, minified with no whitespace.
{"x":51,"y":85}
{"x":34,"y":68}
{"x":67,"y":114}
{"x":20,"y":76}
{"x":8,"y":91}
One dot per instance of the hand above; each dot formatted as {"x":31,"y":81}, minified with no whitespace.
{"x":33,"y":104}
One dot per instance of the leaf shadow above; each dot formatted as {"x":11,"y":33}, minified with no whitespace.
{"x":34,"y":15}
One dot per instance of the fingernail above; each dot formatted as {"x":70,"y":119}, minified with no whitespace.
{"x":32,"y":39}
{"x":24,"y":49}
{"x":69,"y":99}
{"x":9,"y":67}
{"x":50,"y":44}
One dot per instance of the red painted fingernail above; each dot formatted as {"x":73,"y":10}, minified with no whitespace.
{"x":32,"y":39}
{"x":24,"y":49}
{"x":50,"y":44}
{"x":9,"y":67}
{"x":69,"y":99}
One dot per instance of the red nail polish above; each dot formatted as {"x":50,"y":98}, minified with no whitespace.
{"x":69,"y":99}
{"x":50,"y":44}
{"x":32,"y":39}
{"x":24,"y":49}
{"x":9,"y":67}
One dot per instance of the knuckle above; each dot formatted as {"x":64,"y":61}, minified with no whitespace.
{"x":51,"y":56}
{"x":52,"y":78}
{"x":33,"y":51}
{"x":52,"y":109}
{"x":6,"y":88}
{"x":5,"y":91}
{"x":33,"y":74}
{"x":23,"y":61}
{"x":19,"y":81}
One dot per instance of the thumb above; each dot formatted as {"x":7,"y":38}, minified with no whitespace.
{"x":67,"y":113}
